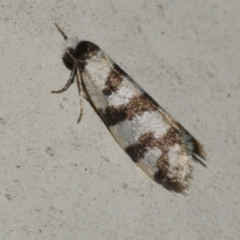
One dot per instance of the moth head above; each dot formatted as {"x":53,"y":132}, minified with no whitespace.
{"x":68,"y":49}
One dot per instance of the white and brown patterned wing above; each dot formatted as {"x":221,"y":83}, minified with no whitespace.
{"x":149,"y":135}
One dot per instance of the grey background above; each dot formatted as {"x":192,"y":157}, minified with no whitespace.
{"x":60,"y":180}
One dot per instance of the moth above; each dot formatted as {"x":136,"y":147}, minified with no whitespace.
{"x":153,"y":139}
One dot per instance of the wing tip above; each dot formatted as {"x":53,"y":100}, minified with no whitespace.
{"x":198,"y":149}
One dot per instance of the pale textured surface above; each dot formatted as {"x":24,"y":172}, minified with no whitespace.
{"x":60,"y":180}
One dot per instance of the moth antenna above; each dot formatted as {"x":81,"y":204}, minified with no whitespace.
{"x":61,"y":31}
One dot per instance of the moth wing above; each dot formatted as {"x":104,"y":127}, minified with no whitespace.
{"x":192,"y":145}
{"x":154,"y":140}
{"x":190,"y":141}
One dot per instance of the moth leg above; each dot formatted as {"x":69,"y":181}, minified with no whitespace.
{"x":81,"y":94}
{"x":71,"y":56}
{"x":69,"y":82}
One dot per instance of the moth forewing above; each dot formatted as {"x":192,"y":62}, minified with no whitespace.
{"x":154,"y":140}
